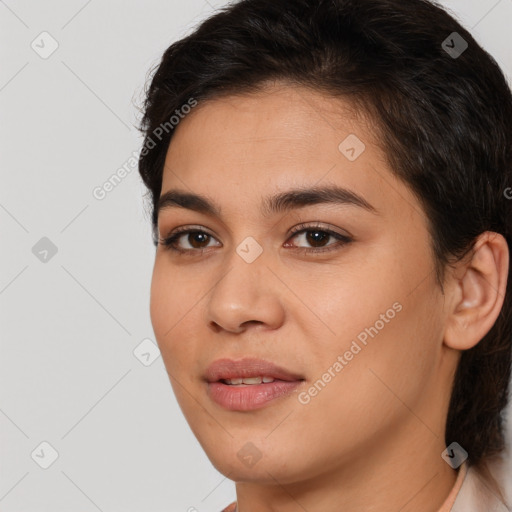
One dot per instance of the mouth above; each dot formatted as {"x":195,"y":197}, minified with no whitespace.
{"x":248,"y":381}
{"x":247,"y":371}
{"x":248,"y":384}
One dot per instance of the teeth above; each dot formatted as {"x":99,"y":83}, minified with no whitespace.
{"x":249,"y":380}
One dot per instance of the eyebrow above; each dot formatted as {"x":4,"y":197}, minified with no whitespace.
{"x":272,"y":205}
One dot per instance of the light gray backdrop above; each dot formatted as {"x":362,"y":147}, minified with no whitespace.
{"x":88,"y":420}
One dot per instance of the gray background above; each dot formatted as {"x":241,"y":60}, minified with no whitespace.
{"x":70,"y":324}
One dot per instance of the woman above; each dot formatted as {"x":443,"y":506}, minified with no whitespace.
{"x":331,"y":291}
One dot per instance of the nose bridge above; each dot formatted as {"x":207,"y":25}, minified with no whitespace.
{"x":245,"y":276}
{"x":247,"y":264}
{"x":245,"y":291}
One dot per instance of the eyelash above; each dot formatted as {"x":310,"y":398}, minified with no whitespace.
{"x":170,"y":242}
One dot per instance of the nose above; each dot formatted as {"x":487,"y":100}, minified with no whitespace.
{"x":245,"y":294}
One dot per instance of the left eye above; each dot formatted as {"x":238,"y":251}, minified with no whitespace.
{"x":318,"y":237}
{"x":314,"y":236}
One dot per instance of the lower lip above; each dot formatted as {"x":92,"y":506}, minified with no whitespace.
{"x":249,"y":397}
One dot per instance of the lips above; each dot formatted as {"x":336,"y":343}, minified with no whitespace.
{"x":223,"y":369}
{"x":253,"y":395}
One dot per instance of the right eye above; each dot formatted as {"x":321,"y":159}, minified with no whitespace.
{"x":194,"y":237}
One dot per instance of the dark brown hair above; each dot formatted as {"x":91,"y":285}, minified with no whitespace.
{"x":443,"y":113}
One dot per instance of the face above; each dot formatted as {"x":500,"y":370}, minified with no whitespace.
{"x":337,"y":289}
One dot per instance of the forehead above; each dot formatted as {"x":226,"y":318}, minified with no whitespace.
{"x":243,"y":147}
{"x":274,"y":118}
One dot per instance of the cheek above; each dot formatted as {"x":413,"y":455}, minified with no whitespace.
{"x":161,"y":307}
{"x":386,"y":329}
{"x":344,"y":303}
{"x":375,"y":390}
{"x":171,"y":303}
{"x":174,"y":295}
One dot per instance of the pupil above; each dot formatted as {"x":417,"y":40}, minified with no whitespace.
{"x":194,"y":236}
{"x":315,"y":239}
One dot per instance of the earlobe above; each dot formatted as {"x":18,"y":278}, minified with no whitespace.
{"x":478,"y":292}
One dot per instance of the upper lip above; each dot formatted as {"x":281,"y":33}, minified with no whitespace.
{"x":248,"y":367}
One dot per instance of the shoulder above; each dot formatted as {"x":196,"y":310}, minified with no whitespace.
{"x":230,"y":508}
{"x":485,"y":488}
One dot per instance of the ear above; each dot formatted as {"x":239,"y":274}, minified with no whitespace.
{"x":477,"y":291}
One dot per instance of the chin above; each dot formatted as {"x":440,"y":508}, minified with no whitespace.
{"x":246,"y":463}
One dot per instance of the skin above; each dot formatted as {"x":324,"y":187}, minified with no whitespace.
{"x":372,"y":438}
